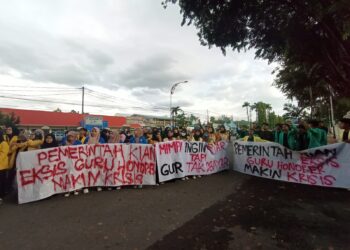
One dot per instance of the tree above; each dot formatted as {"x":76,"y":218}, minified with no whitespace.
{"x":74,"y":112}
{"x":247,"y":106}
{"x":9,"y":119}
{"x":309,"y":38}
{"x":57,"y":110}
{"x":292,"y":111}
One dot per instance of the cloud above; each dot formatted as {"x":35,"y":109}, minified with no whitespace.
{"x":158,"y":71}
{"x":132,"y":50}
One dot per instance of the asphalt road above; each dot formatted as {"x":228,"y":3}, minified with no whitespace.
{"x":223,"y":211}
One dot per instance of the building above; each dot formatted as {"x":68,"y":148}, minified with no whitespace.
{"x":148,"y":121}
{"x":33,"y":119}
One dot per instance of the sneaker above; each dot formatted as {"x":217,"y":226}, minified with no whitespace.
{"x":99,"y":189}
{"x":76,"y":192}
{"x":199,"y":176}
{"x":109,"y":189}
{"x":187,"y":178}
{"x":85,"y":191}
{"x":0,"y":201}
{"x":183,"y":179}
{"x":194,"y":177}
{"x":139,"y":186}
{"x":118,"y":188}
{"x":66,"y":194}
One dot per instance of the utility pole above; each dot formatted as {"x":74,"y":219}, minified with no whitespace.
{"x":207,"y":116}
{"x":82,"y":99}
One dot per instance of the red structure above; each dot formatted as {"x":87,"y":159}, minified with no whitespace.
{"x":57,"y":120}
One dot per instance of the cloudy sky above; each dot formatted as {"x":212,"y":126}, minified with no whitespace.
{"x":127,"y":54}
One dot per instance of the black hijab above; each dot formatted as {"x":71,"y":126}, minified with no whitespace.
{"x":50,"y":145}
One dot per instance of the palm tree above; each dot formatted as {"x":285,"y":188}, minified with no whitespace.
{"x":247,"y":106}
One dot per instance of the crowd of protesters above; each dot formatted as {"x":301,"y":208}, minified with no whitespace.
{"x":296,"y":137}
{"x":301,"y":136}
{"x":13,"y":141}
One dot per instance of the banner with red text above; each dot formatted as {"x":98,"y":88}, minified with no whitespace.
{"x":178,"y":159}
{"x":42,"y":173}
{"x":327,"y":166}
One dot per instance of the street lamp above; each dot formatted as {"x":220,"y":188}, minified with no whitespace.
{"x":171,"y":94}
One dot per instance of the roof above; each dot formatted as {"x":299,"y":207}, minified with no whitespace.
{"x":133,"y":125}
{"x":60,"y":119}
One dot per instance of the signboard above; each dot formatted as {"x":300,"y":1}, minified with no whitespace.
{"x":92,"y":120}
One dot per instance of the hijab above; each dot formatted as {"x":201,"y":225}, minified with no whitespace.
{"x":52,"y":144}
{"x":96,"y":139}
{"x":114,"y":136}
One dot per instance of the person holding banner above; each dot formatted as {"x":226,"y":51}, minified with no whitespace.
{"x":317,"y":137}
{"x":138,"y":137}
{"x":49,"y":141}
{"x":252,"y":138}
{"x":287,"y":136}
{"x":4,"y":165}
{"x":35,"y":143}
{"x":82,"y":135}
{"x":344,"y":135}
{"x":95,"y":137}
{"x":71,"y":139}
{"x":277,"y":132}
{"x":169,"y":136}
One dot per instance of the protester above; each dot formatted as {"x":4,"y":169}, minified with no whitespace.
{"x":114,"y":136}
{"x":82,"y":135}
{"x":223,"y":134}
{"x":104,"y":134}
{"x":302,"y":141}
{"x":277,"y":132}
{"x":345,"y":126}
{"x":34,"y":143}
{"x":122,"y":137}
{"x":71,"y":139}
{"x":4,"y":165}
{"x":95,"y":137}
{"x":169,"y":136}
{"x":49,"y":141}
{"x":287,"y":136}
{"x":317,"y":137}
{"x":197,"y":135}
{"x":11,"y":138}
{"x":176,"y":134}
{"x":265,"y":133}
{"x":128,"y":136}
{"x":138,"y":137}
{"x":252,"y":137}
{"x":183,"y":135}
{"x":212,"y":135}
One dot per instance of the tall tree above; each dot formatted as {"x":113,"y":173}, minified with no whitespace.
{"x":9,"y":119}
{"x":247,"y":106}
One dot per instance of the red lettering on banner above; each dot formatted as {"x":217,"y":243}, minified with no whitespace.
{"x":92,"y":178}
{"x":166,"y":148}
{"x":262,"y":162}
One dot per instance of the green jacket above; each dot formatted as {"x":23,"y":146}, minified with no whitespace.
{"x":317,"y":137}
{"x":292,"y":144}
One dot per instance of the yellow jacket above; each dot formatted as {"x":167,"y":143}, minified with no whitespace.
{"x":31,"y":144}
{"x":256,"y":139}
{"x":12,"y":149}
{"x":4,"y":151}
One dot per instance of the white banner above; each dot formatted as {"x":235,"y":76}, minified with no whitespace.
{"x":177,"y":159}
{"x":42,"y":173}
{"x":327,"y":166}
